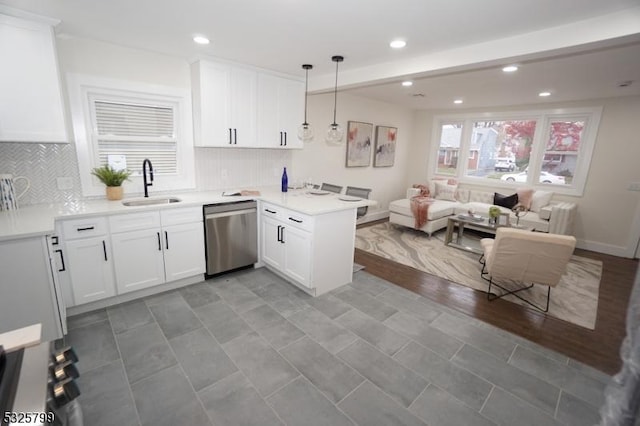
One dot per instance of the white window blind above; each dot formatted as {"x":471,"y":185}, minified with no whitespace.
{"x":137,"y":131}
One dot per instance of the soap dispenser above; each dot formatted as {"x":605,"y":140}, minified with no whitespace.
{"x":285,"y":180}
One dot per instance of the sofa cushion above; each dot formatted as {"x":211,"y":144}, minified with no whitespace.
{"x":508,"y":201}
{"x":540,"y":199}
{"x":437,"y":210}
{"x":478,"y":208}
{"x":445,"y":192}
{"x":481,"y":197}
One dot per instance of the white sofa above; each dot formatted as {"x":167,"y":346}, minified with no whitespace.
{"x":552,"y":217}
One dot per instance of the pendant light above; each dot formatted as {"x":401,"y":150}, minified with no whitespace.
{"x":335,"y":132}
{"x":305,"y":132}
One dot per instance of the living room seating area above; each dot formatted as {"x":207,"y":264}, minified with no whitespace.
{"x":538,"y":210}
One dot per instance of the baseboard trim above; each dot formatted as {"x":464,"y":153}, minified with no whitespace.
{"x":372,"y":217}
{"x":610,"y":249}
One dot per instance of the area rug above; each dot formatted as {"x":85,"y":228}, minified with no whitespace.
{"x":574,"y":299}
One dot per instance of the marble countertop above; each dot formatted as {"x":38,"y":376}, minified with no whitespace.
{"x":39,"y":219}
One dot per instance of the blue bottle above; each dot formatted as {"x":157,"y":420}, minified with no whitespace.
{"x":285,"y":180}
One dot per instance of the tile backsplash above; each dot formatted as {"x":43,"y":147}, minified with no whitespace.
{"x":216,"y":168}
{"x":42,"y":164}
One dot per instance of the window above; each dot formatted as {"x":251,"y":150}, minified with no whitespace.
{"x":137,"y":121}
{"x":136,"y":131}
{"x":537,"y":148}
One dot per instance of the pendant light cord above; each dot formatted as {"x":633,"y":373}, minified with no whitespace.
{"x":335,"y":95}
{"x":306,"y":90}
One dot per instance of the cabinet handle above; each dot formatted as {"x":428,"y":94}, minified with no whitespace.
{"x":159,"y":244}
{"x":295,"y":220}
{"x":64,"y":268}
{"x":104,"y":249}
{"x":280,"y":138}
{"x":285,"y":138}
{"x":235,"y":136}
{"x":279,"y":233}
{"x":269,"y":211}
{"x":230,"y":140}
{"x":88,"y":228}
{"x":166,"y":239}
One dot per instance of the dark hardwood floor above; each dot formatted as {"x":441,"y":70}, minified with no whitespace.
{"x":598,"y":348}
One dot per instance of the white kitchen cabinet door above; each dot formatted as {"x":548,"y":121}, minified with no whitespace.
{"x":31,"y":108}
{"x":298,"y":246}
{"x":90,"y":268}
{"x":138,"y":258}
{"x":273,"y":251}
{"x":280,"y":111}
{"x":224,"y":99}
{"x":183,"y":250}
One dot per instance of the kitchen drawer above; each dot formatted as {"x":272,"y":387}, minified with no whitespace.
{"x":181,"y":215}
{"x":289,"y":217}
{"x":84,"y":228}
{"x":134,"y":221}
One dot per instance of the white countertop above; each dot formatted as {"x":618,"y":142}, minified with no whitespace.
{"x":36,"y":220}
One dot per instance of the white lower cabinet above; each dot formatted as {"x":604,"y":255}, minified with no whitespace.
{"x":314,"y":252}
{"x":287,"y":249}
{"x":112,"y":255}
{"x":88,"y":260}
{"x":164,"y":250}
{"x":90,"y":269}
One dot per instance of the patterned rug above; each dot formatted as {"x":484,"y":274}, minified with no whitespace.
{"x":574,"y":299}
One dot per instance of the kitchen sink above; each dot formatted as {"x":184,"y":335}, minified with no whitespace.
{"x":150,"y":201}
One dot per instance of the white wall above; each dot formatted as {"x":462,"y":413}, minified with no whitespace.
{"x":323,"y":163}
{"x":607,"y":212}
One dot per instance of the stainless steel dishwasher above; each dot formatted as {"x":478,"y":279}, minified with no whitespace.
{"x":231,"y":235}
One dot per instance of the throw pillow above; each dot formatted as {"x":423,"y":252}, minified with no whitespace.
{"x":445,"y":191}
{"x":432,"y":183}
{"x":525,"y":196}
{"x":508,"y":201}
{"x":540,"y":199}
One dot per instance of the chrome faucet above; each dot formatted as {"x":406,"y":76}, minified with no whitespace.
{"x":144,"y":176}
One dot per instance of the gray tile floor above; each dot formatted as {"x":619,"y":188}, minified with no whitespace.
{"x":250,"y":349}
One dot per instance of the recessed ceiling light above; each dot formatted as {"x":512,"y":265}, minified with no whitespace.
{"x":457,"y":101}
{"x":544,"y":94}
{"x":398,"y":44}
{"x":407,"y":83}
{"x":201,"y":39}
{"x":510,"y":68}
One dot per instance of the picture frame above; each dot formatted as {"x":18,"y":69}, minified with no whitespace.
{"x":384,"y":153}
{"x":359,"y":149}
{"x":504,"y":219}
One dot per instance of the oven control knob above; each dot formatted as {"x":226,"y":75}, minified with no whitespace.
{"x":65,"y":354}
{"x":65,"y":391}
{"x":64,"y":370}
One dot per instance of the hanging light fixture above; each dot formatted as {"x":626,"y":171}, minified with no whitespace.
{"x":335,"y":132}
{"x":305,"y":132}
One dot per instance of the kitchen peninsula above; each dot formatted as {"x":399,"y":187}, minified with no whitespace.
{"x":69,"y":260}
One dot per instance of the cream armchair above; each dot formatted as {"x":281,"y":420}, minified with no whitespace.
{"x":522,"y":259}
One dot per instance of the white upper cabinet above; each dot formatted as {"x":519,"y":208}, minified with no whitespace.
{"x":31,"y":107}
{"x":280,"y":111}
{"x":242,"y":107}
{"x":224,"y":100}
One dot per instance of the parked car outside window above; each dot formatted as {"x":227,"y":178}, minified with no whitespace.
{"x":504,"y":165}
{"x":545,"y":177}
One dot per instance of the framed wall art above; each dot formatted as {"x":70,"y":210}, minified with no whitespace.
{"x":385,"y":150}
{"x":359,"y":144}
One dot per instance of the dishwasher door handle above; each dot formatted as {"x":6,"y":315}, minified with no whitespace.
{"x":228,"y":213}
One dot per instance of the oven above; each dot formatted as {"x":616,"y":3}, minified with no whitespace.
{"x":38,"y":386}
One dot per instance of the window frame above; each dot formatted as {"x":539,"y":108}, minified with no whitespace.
{"x":543,"y":118}
{"x":85,"y":89}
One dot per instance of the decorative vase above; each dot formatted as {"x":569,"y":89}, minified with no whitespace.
{"x":114,"y":193}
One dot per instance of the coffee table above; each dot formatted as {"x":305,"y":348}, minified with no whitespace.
{"x":462,"y":221}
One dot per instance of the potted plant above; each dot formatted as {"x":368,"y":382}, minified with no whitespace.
{"x":113,"y":179}
{"x":494,"y":212}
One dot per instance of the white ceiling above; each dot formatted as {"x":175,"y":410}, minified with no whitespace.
{"x":454,"y":47}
